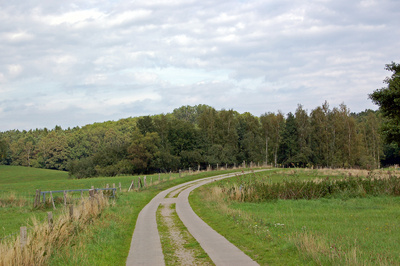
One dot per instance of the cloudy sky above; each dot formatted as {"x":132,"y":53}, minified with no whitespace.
{"x":72,"y":63}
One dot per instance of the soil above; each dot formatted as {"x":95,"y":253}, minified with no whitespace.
{"x":185,"y":256}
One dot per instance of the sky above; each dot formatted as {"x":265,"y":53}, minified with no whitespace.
{"x":72,"y":63}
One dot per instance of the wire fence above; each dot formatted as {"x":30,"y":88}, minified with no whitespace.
{"x":62,"y":197}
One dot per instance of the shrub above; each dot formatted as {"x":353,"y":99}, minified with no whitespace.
{"x":252,"y":189}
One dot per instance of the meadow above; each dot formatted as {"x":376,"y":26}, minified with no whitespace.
{"x":108,"y":237}
{"x":339,"y":230}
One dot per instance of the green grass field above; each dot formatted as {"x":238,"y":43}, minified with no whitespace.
{"x":108,"y":239}
{"x":352,"y":231}
{"x":355,"y":231}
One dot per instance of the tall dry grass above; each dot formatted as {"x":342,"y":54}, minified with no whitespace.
{"x":11,"y":199}
{"x":377,"y":173}
{"x":43,"y":239}
{"x":323,"y":253}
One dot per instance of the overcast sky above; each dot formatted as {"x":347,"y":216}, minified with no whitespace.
{"x":72,"y":63}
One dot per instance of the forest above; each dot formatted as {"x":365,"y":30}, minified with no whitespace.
{"x":200,"y":135}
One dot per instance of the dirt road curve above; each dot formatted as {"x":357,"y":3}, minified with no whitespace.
{"x":146,"y":246}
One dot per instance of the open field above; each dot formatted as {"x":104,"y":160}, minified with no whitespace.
{"x":339,"y":230}
{"x":109,"y":237}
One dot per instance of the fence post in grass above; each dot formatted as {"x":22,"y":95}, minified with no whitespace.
{"x":71,"y":212}
{"x":198,"y":168}
{"x":37,"y":199}
{"x":130,"y":187}
{"x":23,"y":236}
{"x":107,"y":186}
{"x":52,"y":200}
{"x":217,"y":167}
{"x":144,"y":181}
{"x":65,"y":198}
{"x":179,"y":173}
{"x":170,"y":174}
{"x":139,"y":182}
{"x":120,"y":188}
{"x":159,"y":177}
{"x":91,"y":193}
{"x":50,"y":220}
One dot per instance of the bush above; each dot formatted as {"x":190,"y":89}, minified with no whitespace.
{"x":254,"y":190}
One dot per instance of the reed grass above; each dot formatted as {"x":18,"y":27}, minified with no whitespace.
{"x":43,"y":237}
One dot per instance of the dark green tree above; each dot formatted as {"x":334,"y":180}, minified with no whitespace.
{"x":145,"y":124}
{"x":3,"y":150}
{"x":388,"y":99}
{"x":289,"y":147}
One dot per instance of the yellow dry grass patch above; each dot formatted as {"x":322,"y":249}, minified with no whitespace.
{"x":43,"y":239}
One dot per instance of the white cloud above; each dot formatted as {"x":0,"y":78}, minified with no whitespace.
{"x":109,"y":60}
{"x":77,"y":18}
{"x":18,"y":36}
{"x":14,"y":70}
{"x":128,"y":16}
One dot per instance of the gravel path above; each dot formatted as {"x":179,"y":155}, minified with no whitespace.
{"x":146,"y":246}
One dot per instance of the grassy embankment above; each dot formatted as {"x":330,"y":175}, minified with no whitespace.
{"x":334,"y":230}
{"x":108,"y":238}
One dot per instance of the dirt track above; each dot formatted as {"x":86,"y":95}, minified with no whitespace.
{"x":146,"y":246}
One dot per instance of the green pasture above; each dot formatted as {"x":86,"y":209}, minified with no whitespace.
{"x":108,"y":240}
{"x":21,"y":183}
{"x":337,"y":231}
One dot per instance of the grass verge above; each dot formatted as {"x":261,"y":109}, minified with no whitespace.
{"x":170,"y":228}
{"x":338,"y":231}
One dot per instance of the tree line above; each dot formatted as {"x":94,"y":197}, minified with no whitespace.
{"x":201,"y":135}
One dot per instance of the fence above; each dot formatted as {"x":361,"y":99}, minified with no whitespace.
{"x":43,"y":193}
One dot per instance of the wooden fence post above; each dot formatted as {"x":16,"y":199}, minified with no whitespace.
{"x":144,"y":181}
{"x":52,"y":200}
{"x":198,"y":168}
{"x":159,"y":177}
{"x":107,"y":186}
{"x":50,"y":220}
{"x":139,"y":182}
{"x":65,"y":198}
{"x":130,"y":187}
{"x":180,"y":173}
{"x":23,"y":236}
{"x":120,"y":188}
{"x":91,"y":193}
{"x":37,"y":198}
